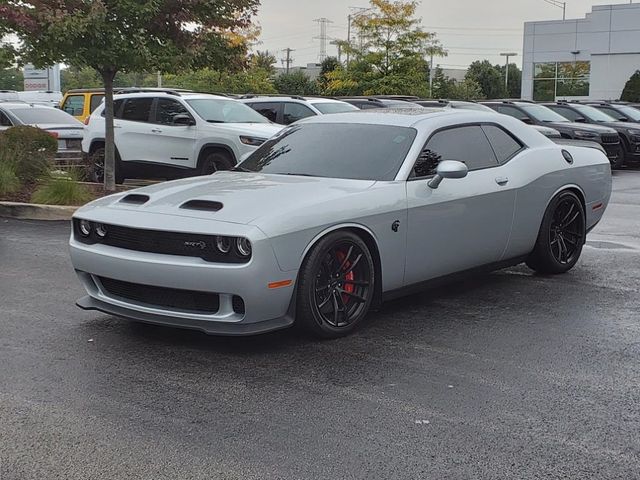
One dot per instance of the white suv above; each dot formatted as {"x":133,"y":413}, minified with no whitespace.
{"x":286,"y":110}
{"x":170,"y":134}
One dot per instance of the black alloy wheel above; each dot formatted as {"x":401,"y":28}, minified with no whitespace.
{"x":561,"y":236}
{"x":95,"y":170}
{"x":337,"y":285}
{"x":214,"y":162}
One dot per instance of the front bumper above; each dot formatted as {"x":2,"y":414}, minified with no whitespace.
{"x":265,"y":308}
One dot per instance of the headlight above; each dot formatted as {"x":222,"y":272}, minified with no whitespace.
{"x":101,"y":230}
{"x":585,"y":134}
{"x":633,"y":131}
{"x":252,"y":141}
{"x":243,"y":247}
{"x":223,"y":244}
{"x":85,"y":228}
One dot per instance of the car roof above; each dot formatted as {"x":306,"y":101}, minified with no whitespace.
{"x":159,"y":93}
{"x":18,"y":104}
{"x":402,"y":117}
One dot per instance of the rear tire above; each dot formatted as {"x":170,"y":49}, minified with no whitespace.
{"x":561,"y":237}
{"x":336,"y":286}
{"x":214,"y":161}
{"x":620,"y":160}
{"x":95,"y":169}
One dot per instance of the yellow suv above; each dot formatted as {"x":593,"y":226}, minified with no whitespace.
{"x":81,"y":102}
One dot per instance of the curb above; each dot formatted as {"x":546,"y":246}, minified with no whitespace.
{"x":33,"y":211}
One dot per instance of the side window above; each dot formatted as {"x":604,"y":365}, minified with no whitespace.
{"x":567,"y":113}
{"x":504,"y":145}
{"x":74,"y":105}
{"x":167,"y":109}
{"x":513,"y":112}
{"x":117,"y":108}
{"x":295,"y":111}
{"x":267,"y":110}
{"x":614,"y":113}
{"x":4,"y":120}
{"x":137,"y":109}
{"x":464,"y":144}
{"x":96,"y":100}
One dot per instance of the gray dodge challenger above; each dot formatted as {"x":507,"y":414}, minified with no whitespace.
{"x":336,"y":214}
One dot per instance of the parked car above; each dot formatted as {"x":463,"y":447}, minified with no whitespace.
{"x":66,"y":129}
{"x":464,"y":105}
{"x":171,"y":134}
{"x":48,"y":98}
{"x":368,"y":103}
{"x":534,"y":114}
{"x":629,"y":134}
{"x":622,"y":112}
{"x":286,"y":110}
{"x":336,"y":214}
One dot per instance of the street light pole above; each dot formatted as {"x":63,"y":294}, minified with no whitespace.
{"x":506,"y":69}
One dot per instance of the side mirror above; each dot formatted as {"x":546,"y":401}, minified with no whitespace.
{"x":183,"y":119}
{"x":527,"y":120}
{"x":448,"y":169}
{"x":581,"y":120}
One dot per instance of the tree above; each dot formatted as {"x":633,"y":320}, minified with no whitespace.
{"x":295,"y":83}
{"x":11,"y":79}
{"x":443,"y":86}
{"x":252,"y":80}
{"x":515,"y":80}
{"x":468,"y":89}
{"x":263,"y":60}
{"x":631,"y":92}
{"x":489,"y":78}
{"x":129,"y":36}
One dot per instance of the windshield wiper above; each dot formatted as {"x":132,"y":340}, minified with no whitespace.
{"x":216,"y":121}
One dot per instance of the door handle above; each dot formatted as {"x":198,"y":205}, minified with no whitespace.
{"x":156,"y":130}
{"x":502,"y":180}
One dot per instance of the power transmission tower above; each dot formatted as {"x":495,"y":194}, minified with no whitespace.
{"x":323,"y":22}
{"x":287,"y":61}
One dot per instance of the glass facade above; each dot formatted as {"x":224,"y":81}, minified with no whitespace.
{"x":560,"y":79}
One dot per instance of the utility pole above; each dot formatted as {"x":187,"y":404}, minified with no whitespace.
{"x":431,"y":70}
{"x":559,"y":4}
{"x":506,"y":69}
{"x":356,"y":12}
{"x":288,"y":60}
{"x":348,"y":39}
{"x":323,"y":22}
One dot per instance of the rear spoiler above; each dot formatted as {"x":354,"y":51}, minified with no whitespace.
{"x":578,"y":143}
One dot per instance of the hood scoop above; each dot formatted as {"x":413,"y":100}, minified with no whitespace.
{"x":202,"y":205}
{"x":135,"y":199}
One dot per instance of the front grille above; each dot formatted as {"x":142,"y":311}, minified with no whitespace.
{"x":161,"y":242}
{"x":171,"y":298}
{"x":610,"y":139}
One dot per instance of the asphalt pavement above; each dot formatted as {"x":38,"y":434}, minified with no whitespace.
{"x":505,"y":376}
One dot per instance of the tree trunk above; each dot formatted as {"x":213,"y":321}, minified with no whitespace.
{"x":109,"y":140}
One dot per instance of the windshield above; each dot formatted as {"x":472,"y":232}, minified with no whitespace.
{"x":629,"y":112}
{"x":542,"y":113}
{"x":334,"y":107}
{"x":31,"y":116}
{"x":225,"y":111}
{"x":336,"y":150}
{"x":594,"y":114}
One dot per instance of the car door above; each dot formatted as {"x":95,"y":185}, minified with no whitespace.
{"x":133,"y":130}
{"x":172,"y":144}
{"x":464,"y":223}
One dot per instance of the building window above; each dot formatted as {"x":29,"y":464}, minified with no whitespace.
{"x":563,"y":79}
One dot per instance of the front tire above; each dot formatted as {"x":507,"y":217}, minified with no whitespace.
{"x":213,"y":162}
{"x":336,"y":286}
{"x":561,"y":237}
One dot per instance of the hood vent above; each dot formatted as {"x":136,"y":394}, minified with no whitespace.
{"x":135,"y":199}
{"x":202,"y":205}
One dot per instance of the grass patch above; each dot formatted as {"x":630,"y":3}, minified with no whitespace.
{"x":9,"y":181}
{"x":62,"y":190}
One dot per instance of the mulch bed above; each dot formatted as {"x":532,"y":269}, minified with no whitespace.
{"x":25,"y":193}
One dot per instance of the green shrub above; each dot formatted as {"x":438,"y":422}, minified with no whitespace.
{"x":30,"y":149}
{"x":9,"y":181}
{"x":631,"y":92}
{"x":62,"y":190}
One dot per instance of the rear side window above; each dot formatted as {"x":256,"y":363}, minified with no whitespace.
{"x":295,"y":111}
{"x":74,"y":105}
{"x":267,"y":110}
{"x":137,"y":109}
{"x":4,"y":120}
{"x":504,"y":145}
{"x":96,"y":100}
{"x":117,"y":109}
{"x":466,"y":144}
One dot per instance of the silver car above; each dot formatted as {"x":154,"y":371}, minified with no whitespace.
{"x":336,"y":214}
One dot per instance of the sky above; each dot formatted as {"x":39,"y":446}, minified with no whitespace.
{"x":469,"y":29}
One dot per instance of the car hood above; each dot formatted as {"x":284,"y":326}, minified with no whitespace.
{"x":620,"y":125}
{"x":262,"y":130}
{"x":580,"y":126}
{"x":235,"y":197}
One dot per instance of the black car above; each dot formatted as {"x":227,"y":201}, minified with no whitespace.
{"x":622,"y":112}
{"x":534,"y":114}
{"x":580,"y":113}
{"x":366,"y":103}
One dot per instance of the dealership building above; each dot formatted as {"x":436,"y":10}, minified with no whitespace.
{"x":587,"y":58}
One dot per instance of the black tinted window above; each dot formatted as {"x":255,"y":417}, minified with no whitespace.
{"x":464,"y":144}
{"x":295,"y":111}
{"x":504,"y":145}
{"x":74,"y":105}
{"x":96,"y":100}
{"x":614,"y":113}
{"x":117,"y":108}
{"x":567,"y":113}
{"x":513,"y":112}
{"x":4,"y":120}
{"x":267,"y":110}
{"x":167,"y":109}
{"x":355,"y":151}
{"x":137,"y":109}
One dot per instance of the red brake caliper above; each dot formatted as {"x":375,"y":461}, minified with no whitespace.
{"x":347,"y":287}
